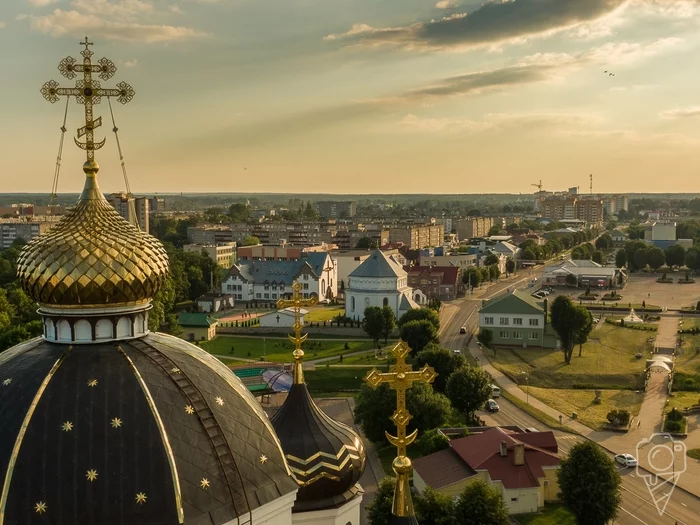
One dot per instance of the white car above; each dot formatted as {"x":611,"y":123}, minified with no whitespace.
{"x":627,"y":460}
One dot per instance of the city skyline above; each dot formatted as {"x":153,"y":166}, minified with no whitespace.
{"x":359,"y":97}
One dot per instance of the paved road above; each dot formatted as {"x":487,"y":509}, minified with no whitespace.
{"x":637,"y":506}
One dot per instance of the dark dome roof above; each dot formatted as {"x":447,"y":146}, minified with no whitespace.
{"x":145,"y":431}
{"x":326,"y":456}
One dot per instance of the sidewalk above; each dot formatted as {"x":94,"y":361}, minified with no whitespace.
{"x":614,"y":442}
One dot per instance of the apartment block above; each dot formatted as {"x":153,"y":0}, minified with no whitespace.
{"x":336,"y":209}
{"x":133,"y":209}
{"x":471,"y":227}
{"x":209,"y":234}
{"x":13,"y":229}
{"x":224,"y":254}
{"x":418,"y":236}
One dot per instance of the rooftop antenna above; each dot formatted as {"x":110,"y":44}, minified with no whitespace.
{"x":591,"y":184}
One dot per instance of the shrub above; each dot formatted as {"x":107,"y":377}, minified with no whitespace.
{"x":675,"y":415}
{"x":619,"y":417}
{"x":672,"y":426}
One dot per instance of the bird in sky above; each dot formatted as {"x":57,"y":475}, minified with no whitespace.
{"x":245,"y":168}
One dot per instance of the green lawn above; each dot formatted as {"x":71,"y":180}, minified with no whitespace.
{"x":278,"y":349}
{"x":693,"y":453}
{"x":551,"y":514}
{"x":681,"y":400}
{"x":568,"y":401}
{"x":607,"y":362}
{"x":325,"y":379}
{"x":324,"y":313}
{"x":536,"y":413}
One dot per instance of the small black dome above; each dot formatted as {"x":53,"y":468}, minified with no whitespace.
{"x":326,"y":456}
{"x":143,"y":431}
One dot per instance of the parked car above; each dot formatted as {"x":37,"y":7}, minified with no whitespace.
{"x":463,"y":330}
{"x":457,"y":352}
{"x":627,"y":460}
{"x":492,"y":406}
{"x":531,"y":429}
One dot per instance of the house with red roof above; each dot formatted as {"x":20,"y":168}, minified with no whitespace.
{"x":441,"y":282}
{"x":522,"y":465}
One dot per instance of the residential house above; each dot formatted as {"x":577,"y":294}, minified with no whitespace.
{"x":588,"y":274}
{"x":379,"y":281}
{"x":283,"y":318}
{"x":443,"y":282}
{"x":517,"y":319}
{"x":268,"y":281}
{"x":522,"y":466}
{"x":197,"y":326}
{"x":508,"y":249}
{"x":215,"y":302}
{"x":618,"y":237}
{"x":460,"y":260}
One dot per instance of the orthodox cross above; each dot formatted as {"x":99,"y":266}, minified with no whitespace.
{"x":401,"y":377}
{"x":88,"y":92}
{"x":297,"y":302}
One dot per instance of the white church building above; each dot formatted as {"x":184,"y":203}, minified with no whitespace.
{"x":379,"y":281}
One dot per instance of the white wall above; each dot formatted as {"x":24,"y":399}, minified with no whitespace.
{"x":525,"y":317}
{"x":344,"y":515}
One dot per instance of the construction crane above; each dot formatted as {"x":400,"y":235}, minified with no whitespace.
{"x":538,"y":186}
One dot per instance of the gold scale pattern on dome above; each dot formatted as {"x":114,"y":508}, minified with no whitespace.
{"x":93,"y":256}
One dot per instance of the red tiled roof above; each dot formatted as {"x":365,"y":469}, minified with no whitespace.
{"x":449,"y":273}
{"x":482,"y":452}
{"x":442,"y":468}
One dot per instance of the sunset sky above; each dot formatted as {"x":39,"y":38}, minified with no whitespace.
{"x":363,"y":96}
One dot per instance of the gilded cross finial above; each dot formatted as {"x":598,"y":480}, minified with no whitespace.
{"x":297,"y":302}
{"x":88,"y":92}
{"x":401,"y":377}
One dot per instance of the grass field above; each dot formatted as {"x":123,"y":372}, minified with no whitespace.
{"x":681,"y":400}
{"x":581,"y":401}
{"x":551,"y":514}
{"x":324,"y":313}
{"x":607,"y":362}
{"x":326,"y":380}
{"x":278,"y":349}
{"x":536,"y":413}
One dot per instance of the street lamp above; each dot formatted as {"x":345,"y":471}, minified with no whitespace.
{"x":527,"y":390}
{"x":477,"y":362}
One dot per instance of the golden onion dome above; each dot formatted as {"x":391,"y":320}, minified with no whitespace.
{"x":92,"y":257}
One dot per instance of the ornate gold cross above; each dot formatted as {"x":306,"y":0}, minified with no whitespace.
{"x":88,"y":92}
{"x":297,"y":302}
{"x":401,"y":377}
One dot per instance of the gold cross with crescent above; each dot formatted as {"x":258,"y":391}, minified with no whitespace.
{"x":87,"y":91}
{"x":297,"y":302}
{"x":401,"y":377}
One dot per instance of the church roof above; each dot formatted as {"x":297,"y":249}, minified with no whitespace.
{"x":378,"y":265}
{"x":280,"y":271}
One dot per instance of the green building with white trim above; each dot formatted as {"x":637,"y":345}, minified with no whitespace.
{"x":519,"y":320}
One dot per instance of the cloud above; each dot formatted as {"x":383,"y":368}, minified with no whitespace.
{"x":446,"y":4}
{"x":176,"y":9}
{"x":2,"y":24}
{"x":536,"y":122}
{"x":42,"y":3}
{"x":621,"y":53}
{"x":669,"y":8}
{"x":60,"y":23}
{"x":123,"y":9}
{"x":687,"y":112}
{"x":493,"y":22}
{"x":128,"y":63}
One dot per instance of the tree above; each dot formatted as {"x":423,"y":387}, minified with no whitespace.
{"x":620,"y":258}
{"x":366,"y":243}
{"x":374,"y":407}
{"x":468,"y":389}
{"x":472,"y":277}
{"x":590,"y":484}
{"x":420,"y":314}
{"x":571,"y":279}
{"x":388,"y":322}
{"x":251,"y":240}
{"x":655,"y":258}
{"x":568,"y":321}
{"x":481,"y":504}
{"x":379,"y":511}
{"x":604,"y":242}
{"x":434,"y":508}
{"x":691,"y":259}
{"x":494,"y":271}
{"x":490,"y":259}
{"x":430,"y":442}
{"x":597,"y":257}
{"x":485,"y":337}
{"x":373,"y":323}
{"x":510,"y":266}
{"x":418,"y":334}
{"x":239,"y":212}
{"x":527,"y":255}
{"x":675,"y":255}
{"x":444,"y":362}
{"x":585,"y":330}
{"x":641,"y":258}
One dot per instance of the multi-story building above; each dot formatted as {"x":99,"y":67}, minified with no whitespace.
{"x":471,"y":227}
{"x":269,"y":281}
{"x":224,"y":254}
{"x":133,"y":209}
{"x":25,"y":229}
{"x":280,"y":252}
{"x":156,"y":204}
{"x":442,"y":282}
{"x":347,"y":239}
{"x":209,"y":234}
{"x":416,"y":237}
{"x":558,"y":208}
{"x":460,"y":260}
{"x":336,"y":209}
{"x":660,"y":231}
{"x":590,"y":209}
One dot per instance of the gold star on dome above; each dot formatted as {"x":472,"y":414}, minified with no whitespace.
{"x":263,"y":459}
{"x":91,"y":475}
{"x":141,"y":498}
{"x":204,"y":483}
{"x":92,"y":383}
{"x":67,"y":426}
{"x":219,"y":401}
{"x":116,"y":422}
{"x":40,"y":507}
{"x":175,"y":370}
{"x":189,"y":409}
{"x":7,"y":381}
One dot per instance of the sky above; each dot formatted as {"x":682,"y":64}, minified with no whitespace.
{"x":362,"y":96}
